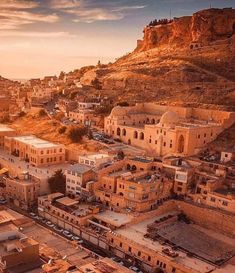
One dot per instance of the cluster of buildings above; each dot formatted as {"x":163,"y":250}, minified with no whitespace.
{"x":164,"y":130}
{"x":79,"y":112}
{"x":164,"y":211}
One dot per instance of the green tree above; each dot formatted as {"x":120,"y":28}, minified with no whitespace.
{"x":75,"y":134}
{"x":57,"y":182}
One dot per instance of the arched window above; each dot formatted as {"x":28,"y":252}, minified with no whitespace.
{"x":135,"y":134}
{"x":129,"y":142}
{"x":181,"y":144}
{"x":153,"y":121}
{"x":118,"y":131}
{"x":133,"y":168}
{"x":142,"y":136}
{"x":128,"y":166}
{"x":124,"y":132}
{"x":147,"y":121}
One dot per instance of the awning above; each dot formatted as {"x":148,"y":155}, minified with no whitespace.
{"x":3,"y":170}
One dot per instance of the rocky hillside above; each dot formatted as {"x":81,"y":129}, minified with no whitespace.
{"x":188,"y":59}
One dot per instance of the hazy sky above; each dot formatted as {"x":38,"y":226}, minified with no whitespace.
{"x":43,"y":37}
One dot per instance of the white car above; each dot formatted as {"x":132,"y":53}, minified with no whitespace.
{"x":59,"y":229}
{"x":50,"y":224}
{"x":76,"y":238}
{"x":32,"y":214}
{"x":67,"y":234}
{"x":3,"y":201}
{"x":135,"y":269}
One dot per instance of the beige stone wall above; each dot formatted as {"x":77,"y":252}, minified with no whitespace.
{"x":139,"y":126}
{"x":209,"y":217}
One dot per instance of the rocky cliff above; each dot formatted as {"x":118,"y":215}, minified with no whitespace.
{"x":189,"y":59}
{"x":201,"y":28}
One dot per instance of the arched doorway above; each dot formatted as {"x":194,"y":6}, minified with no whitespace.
{"x":135,"y":134}
{"x":118,"y":131}
{"x":181,"y":144}
{"x":124,"y":132}
{"x":129,"y":142}
{"x":142,"y":136}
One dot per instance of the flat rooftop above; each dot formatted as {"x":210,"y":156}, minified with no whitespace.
{"x":114,"y":218}
{"x":5,"y":128}
{"x":79,"y":168}
{"x":141,"y":159}
{"x":136,"y":233}
{"x":226,"y":192}
{"x":105,"y":265}
{"x":8,"y":216}
{"x":36,"y":142}
{"x":66,"y":201}
{"x":96,"y":156}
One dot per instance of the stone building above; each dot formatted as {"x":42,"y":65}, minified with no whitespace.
{"x":77,"y":178}
{"x":137,"y":184}
{"x":167,"y":130}
{"x":36,"y":151}
{"x":5,"y":131}
{"x":22,"y":192}
{"x":17,"y":251}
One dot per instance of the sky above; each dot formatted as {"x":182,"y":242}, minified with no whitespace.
{"x":44,"y":37}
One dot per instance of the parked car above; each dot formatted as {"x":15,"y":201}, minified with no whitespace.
{"x":43,"y":220}
{"x":33,"y":215}
{"x":50,"y":224}
{"x":67,"y":234}
{"x":76,"y":238}
{"x":3,"y":201}
{"x":135,"y":269}
{"x":58,"y":229}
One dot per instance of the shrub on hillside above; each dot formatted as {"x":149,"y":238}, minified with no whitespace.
{"x":123,"y":103}
{"x":75,"y":134}
{"x":42,"y":113}
{"x":62,"y":129}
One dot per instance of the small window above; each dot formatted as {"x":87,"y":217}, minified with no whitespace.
{"x":225,"y":203}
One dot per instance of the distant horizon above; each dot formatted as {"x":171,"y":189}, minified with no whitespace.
{"x":40,"y":38}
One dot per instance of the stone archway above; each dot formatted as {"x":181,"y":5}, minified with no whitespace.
{"x":181,"y":144}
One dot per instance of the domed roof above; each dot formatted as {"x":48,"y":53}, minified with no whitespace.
{"x":118,"y":111}
{"x":169,"y":118}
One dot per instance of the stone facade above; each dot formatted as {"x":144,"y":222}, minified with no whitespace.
{"x":167,"y":130}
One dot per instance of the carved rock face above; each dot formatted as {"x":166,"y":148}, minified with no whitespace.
{"x":212,"y":25}
{"x":203,"y":27}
